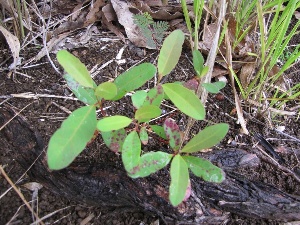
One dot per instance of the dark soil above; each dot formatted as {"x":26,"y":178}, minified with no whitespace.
{"x":45,"y":114}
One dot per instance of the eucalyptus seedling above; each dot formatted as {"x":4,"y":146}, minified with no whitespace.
{"x":81,"y":125}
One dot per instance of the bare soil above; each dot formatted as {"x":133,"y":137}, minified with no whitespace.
{"x":46,"y":112}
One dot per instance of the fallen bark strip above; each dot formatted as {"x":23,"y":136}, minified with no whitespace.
{"x":108,"y":186}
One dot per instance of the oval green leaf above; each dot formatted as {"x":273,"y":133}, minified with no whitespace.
{"x":179,"y":180}
{"x":205,"y":169}
{"x":71,"y":138}
{"x":113,"y":123}
{"x":206,"y":138}
{"x":215,"y":87}
{"x":114,"y":139}
{"x":84,"y":94}
{"x":150,"y":163}
{"x":204,"y":71}
{"x":131,"y":151}
{"x":144,"y":135}
{"x":75,"y":68}
{"x":106,"y":90}
{"x":134,"y":78}
{"x":146,"y":113}
{"x":159,"y":130}
{"x":138,"y":98}
{"x":198,"y":61}
{"x":185,"y":100}
{"x":170,"y":52}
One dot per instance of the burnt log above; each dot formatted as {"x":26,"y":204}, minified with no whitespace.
{"x":108,"y":185}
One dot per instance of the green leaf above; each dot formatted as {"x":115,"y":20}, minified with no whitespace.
{"x":113,"y":123}
{"x":84,"y":94}
{"x":198,"y":61}
{"x":185,"y":100}
{"x":206,"y":138}
{"x":114,"y":139}
{"x":71,"y":138}
{"x":134,"y":78}
{"x":138,"y":98}
{"x":144,"y":135}
{"x":170,"y":52}
{"x":106,"y":90}
{"x":205,"y":169}
{"x":204,"y":71}
{"x":159,"y":130}
{"x":146,"y":113}
{"x":215,"y":87}
{"x":150,"y":163}
{"x":131,"y":151}
{"x":75,"y":68}
{"x":155,"y":96}
{"x":173,"y":133}
{"x":179,"y":180}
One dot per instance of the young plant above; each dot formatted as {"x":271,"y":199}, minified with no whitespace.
{"x":82,"y":125}
{"x":152,"y":31}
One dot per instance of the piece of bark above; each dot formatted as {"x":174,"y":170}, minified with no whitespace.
{"x":108,"y":186}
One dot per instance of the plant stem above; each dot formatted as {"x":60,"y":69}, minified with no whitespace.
{"x":202,"y":92}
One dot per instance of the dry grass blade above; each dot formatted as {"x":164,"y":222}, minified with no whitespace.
{"x":15,"y":116}
{"x":19,"y":193}
{"x":13,"y":44}
{"x":48,"y":216}
{"x":231,"y":72}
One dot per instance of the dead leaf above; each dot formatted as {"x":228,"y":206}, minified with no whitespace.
{"x":109,"y":13}
{"x":112,"y":28}
{"x":94,"y":14}
{"x":246,"y":74}
{"x":219,"y":71}
{"x":192,"y":84}
{"x":162,"y":13}
{"x":14,"y":45}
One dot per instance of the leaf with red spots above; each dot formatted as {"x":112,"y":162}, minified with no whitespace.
{"x":155,"y":96}
{"x":131,"y":151}
{"x":173,"y":133}
{"x":150,"y":163}
{"x":114,"y":139}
